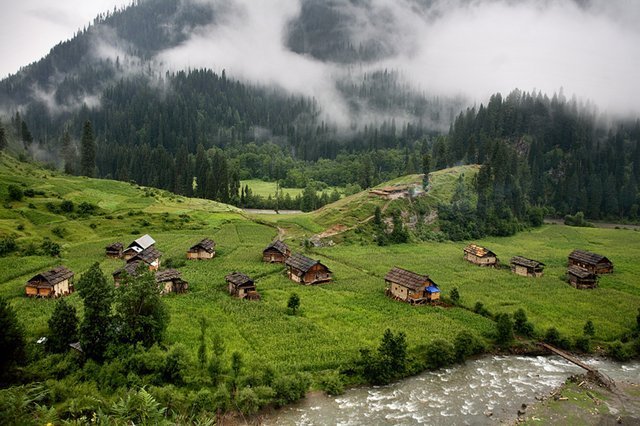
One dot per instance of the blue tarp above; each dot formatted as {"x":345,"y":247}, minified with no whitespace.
{"x":433,"y":289}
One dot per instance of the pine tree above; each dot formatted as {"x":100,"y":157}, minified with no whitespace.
{"x":63,"y":327}
{"x":87,"y":151}
{"x":96,"y":327}
{"x":3,"y":138}
{"x":68,"y":153}
{"x":12,"y":340}
{"x":27,"y":138}
{"x":294,"y":302}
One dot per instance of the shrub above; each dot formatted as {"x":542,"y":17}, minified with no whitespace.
{"x":583,"y":343}
{"x":247,"y":401}
{"x":332,"y":384}
{"x":87,"y":209}
{"x":15,"y":193}
{"x":204,"y":402}
{"x":481,"y":310}
{"x":454,"y":296}
{"x":67,"y":206}
{"x":552,"y":336}
{"x":176,"y":365}
{"x":465,"y":345}
{"x":439,"y":353}
{"x":504,"y":329}
{"x":50,"y":248}
{"x":290,"y":388}
{"x":8,"y":245}
{"x":59,"y":232}
{"x":589,"y":329}
{"x":222,"y":398}
{"x":521,"y":325}
{"x":620,"y":352}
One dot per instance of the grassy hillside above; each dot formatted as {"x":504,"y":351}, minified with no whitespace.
{"x":353,"y":305}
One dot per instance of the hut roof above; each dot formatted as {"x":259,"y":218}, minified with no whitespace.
{"x":580,"y":272}
{"x":167,"y":275}
{"x":302,"y":263}
{"x":131,"y":268}
{"x":148,"y":255}
{"x":523,"y":261}
{"x":115,"y":246}
{"x":54,"y":276}
{"x":279,"y":246}
{"x":478,"y":251}
{"x":206,"y":244}
{"x":407,"y":278}
{"x":588,"y":257}
{"x":238,"y":279}
{"x":143,"y":242}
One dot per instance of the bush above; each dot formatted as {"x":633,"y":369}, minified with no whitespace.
{"x":15,"y":193}
{"x":620,"y":352}
{"x":577,"y":220}
{"x":481,"y":310}
{"x":8,"y":245}
{"x":332,"y":383}
{"x":176,"y":365}
{"x":59,"y":232}
{"x":552,"y":336}
{"x":504,"y":329}
{"x":454,"y":296}
{"x":583,"y":344}
{"x":521,"y":325}
{"x":466,"y":345}
{"x":50,"y":248}
{"x":204,"y":402}
{"x":289,"y":389}
{"x":222,"y":398}
{"x":87,"y":209}
{"x":67,"y":206}
{"x":439,"y":353}
{"x":247,"y":401}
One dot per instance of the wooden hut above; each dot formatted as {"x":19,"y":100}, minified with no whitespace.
{"x":131,"y":268}
{"x":54,"y":283}
{"x":526,"y":267}
{"x":241,"y":286}
{"x":303,"y":270}
{"x":276,"y":252}
{"x":592,"y":262}
{"x":581,"y":278}
{"x":480,"y":255}
{"x":410,"y":287}
{"x":205,"y":249}
{"x":170,"y":281}
{"x":114,"y":250}
{"x":138,"y":246}
{"x":150,"y":256}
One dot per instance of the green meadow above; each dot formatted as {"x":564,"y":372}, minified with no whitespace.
{"x":335,"y":319}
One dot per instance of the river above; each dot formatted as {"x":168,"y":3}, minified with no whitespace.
{"x":486,"y":391}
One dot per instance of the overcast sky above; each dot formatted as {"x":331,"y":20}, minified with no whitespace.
{"x":30,"y":28}
{"x":469,"y":47}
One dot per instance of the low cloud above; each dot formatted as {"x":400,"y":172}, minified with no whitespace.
{"x":447,"y":48}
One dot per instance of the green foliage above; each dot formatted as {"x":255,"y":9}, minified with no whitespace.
{"x":17,"y":403}
{"x":247,"y":401}
{"x":620,"y":351}
{"x":138,"y":407}
{"x":577,"y":220}
{"x":589,"y":329}
{"x":583,"y":343}
{"x":59,"y":231}
{"x":439,"y":353}
{"x":480,"y":309}
{"x":332,"y":383}
{"x":521,"y":324}
{"x":12,"y":341}
{"x":293,"y":303}
{"x":176,"y":365}
{"x":202,"y":346}
{"x":67,"y":206}
{"x":8,"y":245}
{"x":63,"y":327}
{"x":15,"y":193}
{"x":140,"y":313}
{"x":454,"y":295}
{"x":465,"y":345}
{"x":87,"y":151}
{"x":388,"y":362}
{"x":96,"y":326}
{"x":504,"y":329}
{"x":399,"y":234}
{"x":290,"y":388}
{"x":50,"y":248}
